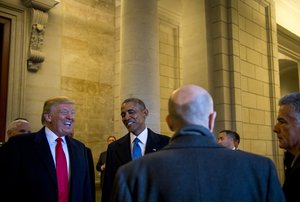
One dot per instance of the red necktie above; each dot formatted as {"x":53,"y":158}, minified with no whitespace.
{"x":61,"y":172}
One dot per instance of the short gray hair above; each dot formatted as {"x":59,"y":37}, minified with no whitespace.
{"x":16,"y":122}
{"x":293,"y":100}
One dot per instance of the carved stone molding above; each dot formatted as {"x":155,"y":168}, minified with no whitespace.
{"x":36,"y":56}
{"x":39,"y":19}
{"x":43,"y":5}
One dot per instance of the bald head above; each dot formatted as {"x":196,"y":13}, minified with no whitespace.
{"x":190,"y":105}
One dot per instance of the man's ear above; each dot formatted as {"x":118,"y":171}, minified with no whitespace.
{"x":170,"y":122}
{"x":47,"y":117}
{"x":211,"y":121}
{"x":146,"y":112}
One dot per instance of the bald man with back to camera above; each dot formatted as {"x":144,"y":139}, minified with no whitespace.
{"x":193,"y":166}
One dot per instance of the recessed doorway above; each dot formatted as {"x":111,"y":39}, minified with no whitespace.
{"x":5,"y":29}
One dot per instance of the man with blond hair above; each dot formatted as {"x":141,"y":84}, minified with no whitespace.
{"x":48,"y":165}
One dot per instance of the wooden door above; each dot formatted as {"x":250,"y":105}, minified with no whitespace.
{"x":5,"y":28}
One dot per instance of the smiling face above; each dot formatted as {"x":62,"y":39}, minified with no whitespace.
{"x":60,"y":119}
{"x":287,"y":129}
{"x":133,"y":117}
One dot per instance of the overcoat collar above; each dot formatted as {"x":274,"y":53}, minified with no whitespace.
{"x":193,"y":136}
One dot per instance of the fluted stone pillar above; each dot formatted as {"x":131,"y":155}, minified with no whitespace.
{"x":139,"y":56}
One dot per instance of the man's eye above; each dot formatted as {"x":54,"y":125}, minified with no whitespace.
{"x":281,"y":121}
{"x":131,"y":112}
{"x":66,"y":112}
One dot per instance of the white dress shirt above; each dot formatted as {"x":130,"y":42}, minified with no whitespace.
{"x":143,"y":140}
{"x":51,"y":137}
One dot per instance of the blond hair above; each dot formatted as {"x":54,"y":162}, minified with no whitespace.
{"x":52,"y":102}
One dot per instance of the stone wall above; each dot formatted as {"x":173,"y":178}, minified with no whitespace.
{"x":79,"y":49}
{"x":169,"y":61}
{"x":87,"y":68}
{"x":234,"y":56}
{"x":246,"y":78}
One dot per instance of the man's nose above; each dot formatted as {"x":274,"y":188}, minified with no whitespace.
{"x":276,"y":128}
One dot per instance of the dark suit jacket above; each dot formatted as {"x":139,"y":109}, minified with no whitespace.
{"x":92,"y":173}
{"x":119,"y":153}
{"x":193,"y":167}
{"x":291,"y":183}
{"x":101,"y":161}
{"x":30,"y":174}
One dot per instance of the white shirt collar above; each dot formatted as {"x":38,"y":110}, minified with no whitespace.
{"x":51,"y":137}
{"x":142,"y":136}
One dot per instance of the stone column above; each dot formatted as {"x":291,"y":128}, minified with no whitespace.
{"x":139,"y":56}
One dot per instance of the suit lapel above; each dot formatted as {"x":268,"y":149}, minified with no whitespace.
{"x":72,"y":155}
{"x":152,"y":141}
{"x":75,"y":155}
{"x":125,"y":150}
{"x":44,"y":153}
